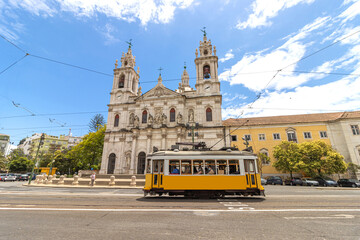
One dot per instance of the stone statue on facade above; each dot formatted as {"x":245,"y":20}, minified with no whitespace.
{"x":179,"y":118}
{"x":196,"y":53}
{"x":157,"y":119}
{"x":163,"y":118}
{"x":191,"y":115}
{"x":131,"y":119}
{"x":136,"y":121}
{"x":150,"y":119}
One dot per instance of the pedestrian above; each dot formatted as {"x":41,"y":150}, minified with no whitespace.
{"x":92,"y":177}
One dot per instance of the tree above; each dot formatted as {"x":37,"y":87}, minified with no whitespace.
{"x":87,"y":154}
{"x":21,"y":165}
{"x":287,"y":157}
{"x":261,"y":160}
{"x":319,"y":158}
{"x":16,"y":154}
{"x":352,"y":169}
{"x":3,"y":161}
{"x":96,"y":122}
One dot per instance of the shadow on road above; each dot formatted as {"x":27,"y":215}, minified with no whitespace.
{"x":184,"y":199}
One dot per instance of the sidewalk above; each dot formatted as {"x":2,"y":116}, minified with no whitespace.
{"x":80,"y":186}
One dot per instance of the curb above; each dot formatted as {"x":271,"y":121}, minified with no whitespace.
{"x":337,"y":188}
{"x":80,"y":186}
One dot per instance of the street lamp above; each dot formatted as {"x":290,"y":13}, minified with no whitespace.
{"x":193,"y":126}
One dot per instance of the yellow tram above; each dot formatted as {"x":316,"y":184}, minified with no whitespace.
{"x":195,"y":173}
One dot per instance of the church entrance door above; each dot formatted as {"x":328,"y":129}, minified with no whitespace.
{"x":141,"y":163}
{"x":111,"y":163}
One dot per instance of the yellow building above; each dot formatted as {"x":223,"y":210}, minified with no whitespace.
{"x":264,"y":133}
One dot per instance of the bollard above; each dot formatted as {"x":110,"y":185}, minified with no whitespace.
{"x":133,"y":181}
{"x":61,"y":180}
{"x":50,"y":178}
{"x":37,"y":179}
{"x":76,"y":180}
{"x":112,"y":181}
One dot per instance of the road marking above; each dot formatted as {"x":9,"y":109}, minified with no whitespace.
{"x":328,"y":217}
{"x":177,"y":210}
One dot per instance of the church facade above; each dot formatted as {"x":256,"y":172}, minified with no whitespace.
{"x":161,"y":117}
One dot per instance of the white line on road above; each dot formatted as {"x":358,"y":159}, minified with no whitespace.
{"x":178,"y":210}
{"x":328,"y":217}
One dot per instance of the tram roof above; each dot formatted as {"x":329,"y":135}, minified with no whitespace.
{"x":201,"y":153}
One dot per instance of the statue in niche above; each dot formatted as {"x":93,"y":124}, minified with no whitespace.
{"x":139,"y":91}
{"x":136,"y":121}
{"x":158,"y":118}
{"x":191,"y":115}
{"x":179,"y":118}
{"x":151,"y":119}
{"x":196,"y":53}
{"x":131,"y":119}
{"x":163,"y":118}
{"x":214,"y":51}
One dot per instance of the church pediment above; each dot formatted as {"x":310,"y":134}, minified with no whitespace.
{"x":159,"y":91}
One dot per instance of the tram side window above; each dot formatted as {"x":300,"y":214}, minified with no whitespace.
{"x":210,"y":167}
{"x":148,"y":169}
{"x":174,"y":167}
{"x":198,"y":167}
{"x":221,"y":167}
{"x":185,"y":167}
{"x":234,"y":167}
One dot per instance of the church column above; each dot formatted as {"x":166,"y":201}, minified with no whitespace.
{"x":105,"y":156}
{"x":148,"y":143}
{"x":133,"y":153}
{"x":120,"y":157}
{"x":163,"y":140}
{"x":179,"y":134}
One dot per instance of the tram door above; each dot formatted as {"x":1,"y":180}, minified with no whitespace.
{"x":250,"y":173}
{"x":158,"y":173}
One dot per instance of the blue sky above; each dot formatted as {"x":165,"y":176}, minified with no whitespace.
{"x":254,"y":40}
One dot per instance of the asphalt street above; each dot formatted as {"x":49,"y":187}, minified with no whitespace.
{"x":287,"y":212}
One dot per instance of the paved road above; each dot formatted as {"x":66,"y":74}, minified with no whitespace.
{"x":286,"y":212}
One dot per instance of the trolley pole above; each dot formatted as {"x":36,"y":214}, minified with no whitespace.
{"x":41,"y":142}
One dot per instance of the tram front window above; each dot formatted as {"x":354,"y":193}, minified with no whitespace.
{"x":198,"y":167}
{"x":174,"y":167}
{"x":221,"y":167}
{"x":210,"y":167}
{"x":234,"y":167}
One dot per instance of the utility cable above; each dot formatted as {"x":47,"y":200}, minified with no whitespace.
{"x":13,"y":44}
{"x":14,"y":63}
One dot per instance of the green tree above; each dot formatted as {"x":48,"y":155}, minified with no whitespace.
{"x":287,"y":157}
{"x":96,"y":122}
{"x":352,"y":169}
{"x":3,"y":161}
{"x":319,"y":158}
{"x":21,"y":165}
{"x":87,"y":154}
{"x":16,"y":154}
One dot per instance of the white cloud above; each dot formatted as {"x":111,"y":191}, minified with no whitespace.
{"x":144,"y":10}
{"x":351,"y":12}
{"x":229,"y":55}
{"x":107,"y":31}
{"x":263,"y":10}
{"x":268,"y":62}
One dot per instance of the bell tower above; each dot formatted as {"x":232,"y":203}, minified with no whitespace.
{"x":126,"y":79}
{"x":207,"y":81}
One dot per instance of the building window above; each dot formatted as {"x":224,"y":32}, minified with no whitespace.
{"x":355,"y":129}
{"x":307,"y":135}
{"x":291,"y":137}
{"x":323,"y":134}
{"x":276,"y":136}
{"x":172,"y":115}
{"x":144,"y":116}
{"x":233,"y":138}
{"x":116,"y":122}
{"x":261,"y":137}
{"x":208,"y":115}
{"x":247,"y":137}
{"x":122,"y":81}
{"x":206,"y":71}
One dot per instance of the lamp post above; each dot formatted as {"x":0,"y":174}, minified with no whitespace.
{"x":41,"y":142}
{"x":193,"y":126}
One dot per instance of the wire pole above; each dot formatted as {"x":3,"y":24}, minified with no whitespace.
{"x":41,"y":142}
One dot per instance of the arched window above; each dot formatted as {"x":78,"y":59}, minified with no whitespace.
{"x":134,"y":85}
{"x":291,"y":134}
{"x":172,"y":115}
{"x":141,"y":163}
{"x":208,"y":115}
{"x":122,"y":81}
{"x":144,"y":116}
{"x":116,"y":122}
{"x":206,"y":71}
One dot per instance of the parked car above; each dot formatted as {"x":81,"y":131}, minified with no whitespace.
{"x":17,"y":175}
{"x":2,"y":176}
{"x":10,"y":177}
{"x":344,"y":182}
{"x":274,"y":180}
{"x":326,"y":182}
{"x":23,"y":177}
{"x":263,"y":181}
{"x":293,"y":181}
{"x":309,"y":182}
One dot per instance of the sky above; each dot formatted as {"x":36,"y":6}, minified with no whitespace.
{"x":275,"y":57}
